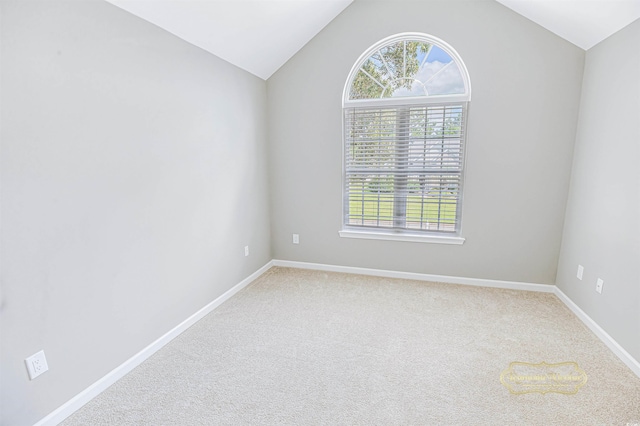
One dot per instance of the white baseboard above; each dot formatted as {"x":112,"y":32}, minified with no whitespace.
{"x":614,"y":346}
{"x":609,"y":341}
{"x":98,"y":387}
{"x":95,"y":389}
{"x":513,"y":285}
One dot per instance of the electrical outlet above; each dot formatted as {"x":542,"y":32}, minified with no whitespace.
{"x":246,"y":250}
{"x":599,"y":285}
{"x":296,"y":239}
{"x":580,"y":272}
{"x":36,"y":365}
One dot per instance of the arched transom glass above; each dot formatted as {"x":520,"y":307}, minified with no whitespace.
{"x":408,"y":66}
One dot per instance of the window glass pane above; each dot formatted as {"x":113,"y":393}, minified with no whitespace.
{"x":364,"y":87}
{"x":403,"y":167}
{"x":404,"y":87}
{"x":432,"y":203}
{"x":436,"y":54}
{"x":375,"y":66}
{"x":370,"y":200}
{"x":407,"y":69}
{"x":446,"y":81}
{"x":393,"y":56}
{"x":435,"y":61}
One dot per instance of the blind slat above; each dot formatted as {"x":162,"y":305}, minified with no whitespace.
{"x":403,"y":166}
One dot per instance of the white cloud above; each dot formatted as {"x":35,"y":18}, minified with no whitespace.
{"x":438,"y":78}
{"x":447,"y":82}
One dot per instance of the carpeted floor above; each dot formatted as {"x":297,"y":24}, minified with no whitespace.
{"x":315,"y":348}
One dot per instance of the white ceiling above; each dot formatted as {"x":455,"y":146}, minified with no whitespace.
{"x":258,"y":36}
{"x":272,"y":31}
{"x":584,"y":23}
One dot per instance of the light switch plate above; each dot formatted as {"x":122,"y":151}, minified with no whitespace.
{"x":599,"y":285}
{"x":580,"y":272}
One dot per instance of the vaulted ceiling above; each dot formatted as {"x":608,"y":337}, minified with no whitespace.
{"x":258,"y":36}
{"x":272,"y":31}
{"x":584,"y":23}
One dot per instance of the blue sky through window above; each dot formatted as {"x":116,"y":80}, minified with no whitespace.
{"x":438,"y":73}
{"x":438,"y":55}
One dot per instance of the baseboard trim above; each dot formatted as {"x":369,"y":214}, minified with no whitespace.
{"x":513,"y":285}
{"x":98,"y":387}
{"x":609,"y":341}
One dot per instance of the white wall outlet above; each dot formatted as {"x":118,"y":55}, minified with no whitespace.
{"x":246,"y":250}
{"x":36,"y":365}
{"x":599,"y":285}
{"x":296,"y":239}
{"x":580,"y":272}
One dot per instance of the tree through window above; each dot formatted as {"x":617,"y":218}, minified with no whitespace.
{"x":405,"y":107}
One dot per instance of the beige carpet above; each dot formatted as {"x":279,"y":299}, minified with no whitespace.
{"x":315,"y":348}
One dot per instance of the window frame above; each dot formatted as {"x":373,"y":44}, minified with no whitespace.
{"x":406,"y":234}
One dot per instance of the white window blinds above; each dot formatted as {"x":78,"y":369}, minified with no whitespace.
{"x":403,"y":167}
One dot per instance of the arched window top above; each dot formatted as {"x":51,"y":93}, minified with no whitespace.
{"x":409,"y":65}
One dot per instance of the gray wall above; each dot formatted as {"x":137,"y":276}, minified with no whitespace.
{"x":522,"y":119}
{"x":133,"y":174}
{"x":134,"y":171}
{"x":602,"y":225}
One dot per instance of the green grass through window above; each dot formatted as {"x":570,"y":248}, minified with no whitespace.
{"x":428,"y":210}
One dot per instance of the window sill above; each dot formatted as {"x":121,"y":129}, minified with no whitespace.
{"x":393,"y":236}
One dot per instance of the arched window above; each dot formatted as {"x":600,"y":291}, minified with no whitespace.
{"x":405,"y":106}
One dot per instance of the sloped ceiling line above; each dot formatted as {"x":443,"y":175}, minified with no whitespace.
{"x":259,"y":36}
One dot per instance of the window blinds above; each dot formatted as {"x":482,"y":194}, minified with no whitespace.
{"x":403,"y":167}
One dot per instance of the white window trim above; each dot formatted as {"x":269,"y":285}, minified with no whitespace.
{"x":434,"y":99}
{"x":391,"y":234}
{"x":401,"y":236}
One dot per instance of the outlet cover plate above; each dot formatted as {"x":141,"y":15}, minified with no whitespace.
{"x":36,"y":365}
{"x":599,"y":285}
